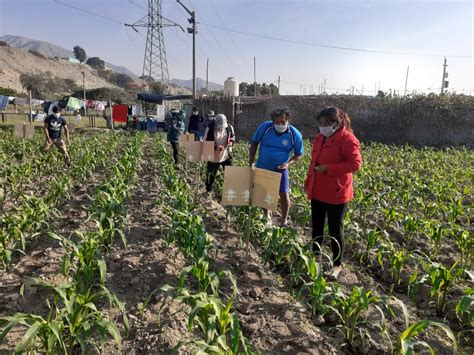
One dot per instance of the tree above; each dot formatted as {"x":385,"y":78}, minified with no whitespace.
{"x":80,"y":54}
{"x":146,"y":78}
{"x":158,"y":88}
{"x":96,"y":63}
{"x":123,"y":80}
{"x":246,"y":89}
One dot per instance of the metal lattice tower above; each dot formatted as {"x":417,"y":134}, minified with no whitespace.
{"x":154,"y":61}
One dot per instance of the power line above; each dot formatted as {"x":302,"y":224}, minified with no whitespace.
{"x":223,"y":24}
{"x":335,"y":47}
{"x":89,"y":12}
{"x":236,"y":67}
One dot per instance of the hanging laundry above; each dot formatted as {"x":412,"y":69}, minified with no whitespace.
{"x":46,"y":105}
{"x":36,"y":102}
{"x":99,"y":106}
{"x":73,"y":103}
{"x":3,"y":102}
{"x":50,"y":108}
{"x":40,"y":117}
{"x":90,"y":103}
{"x":20,"y":101}
{"x":120,"y":113}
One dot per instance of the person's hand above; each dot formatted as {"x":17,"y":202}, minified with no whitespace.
{"x":320,"y":168}
{"x":68,"y":141}
{"x":49,"y":141}
{"x":283,"y":166}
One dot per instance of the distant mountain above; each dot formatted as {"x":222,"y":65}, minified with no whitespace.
{"x":52,"y":50}
{"x":200,"y":83}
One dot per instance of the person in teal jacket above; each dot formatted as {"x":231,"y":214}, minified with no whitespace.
{"x":176,"y":125}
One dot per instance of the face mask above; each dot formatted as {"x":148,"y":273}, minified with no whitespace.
{"x":195,"y":112}
{"x":327,"y":131}
{"x":280,"y":128}
{"x":57,"y":115}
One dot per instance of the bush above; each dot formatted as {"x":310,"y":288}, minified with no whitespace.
{"x":8,"y":92}
{"x":37,"y":54}
{"x":46,"y":85}
{"x":104,"y":94}
{"x":4,"y":44}
{"x":96,"y":63}
{"x":121,"y":80}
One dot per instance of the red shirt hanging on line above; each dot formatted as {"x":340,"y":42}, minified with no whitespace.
{"x":120,"y":113}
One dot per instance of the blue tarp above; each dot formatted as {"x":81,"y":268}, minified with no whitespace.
{"x":159,"y":98}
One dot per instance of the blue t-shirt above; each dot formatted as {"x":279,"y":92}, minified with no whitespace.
{"x":275,"y":148}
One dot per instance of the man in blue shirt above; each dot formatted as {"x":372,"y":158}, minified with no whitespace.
{"x":52,"y":131}
{"x":277,"y":140}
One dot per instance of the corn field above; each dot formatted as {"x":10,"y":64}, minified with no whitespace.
{"x":123,"y":253}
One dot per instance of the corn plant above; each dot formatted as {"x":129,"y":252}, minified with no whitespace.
{"x":442,"y":280}
{"x":350,"y":310}
{"x":407,"y":340}
{"x":73,"y":321}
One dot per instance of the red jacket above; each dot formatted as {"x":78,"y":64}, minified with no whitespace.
{"x":341,"y":154}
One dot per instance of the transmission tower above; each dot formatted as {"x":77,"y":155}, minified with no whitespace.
{"x":154,"y":61}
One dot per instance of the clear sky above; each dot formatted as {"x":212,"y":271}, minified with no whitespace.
{"x":444,"y":28}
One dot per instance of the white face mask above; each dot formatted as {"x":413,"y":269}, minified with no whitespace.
{"x":195,"y":112}
{"x":280,"y":128}
{"x":328,"y":131}
{"x":57,"y":115}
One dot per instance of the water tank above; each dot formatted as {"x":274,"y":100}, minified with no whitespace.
{"x":231,"y":87}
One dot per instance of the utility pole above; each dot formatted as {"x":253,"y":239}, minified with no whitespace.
{"x":254,"y":76}
{"x":84,"y":91}
{"x":406,"y":81}
{"x":324,"y":90}
{"x":207,"y":76}
{"x":278,"y":84}
{"x":193,"y":31}
{"x":155,"y":64}
{"x":444,"y":82}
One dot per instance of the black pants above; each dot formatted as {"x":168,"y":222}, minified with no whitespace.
{"x":212,"y":171}
{"x":175,"y":146}
{"x":335,"y":214}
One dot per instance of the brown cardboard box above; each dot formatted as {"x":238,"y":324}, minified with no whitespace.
{"x":207,"y":151}
{"x":242,"y":184}
{"x":23,"y":130}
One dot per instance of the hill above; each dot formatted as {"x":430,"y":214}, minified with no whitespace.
{"x":52,"y":50}
{"x":14,"y":62}
{"x":200,"y":83}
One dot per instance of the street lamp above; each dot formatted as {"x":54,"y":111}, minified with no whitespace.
{"x":192,"y":30}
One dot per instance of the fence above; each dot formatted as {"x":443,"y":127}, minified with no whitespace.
{"x":419,"y":121}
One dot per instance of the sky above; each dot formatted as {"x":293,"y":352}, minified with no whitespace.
{"x":428,"y":29}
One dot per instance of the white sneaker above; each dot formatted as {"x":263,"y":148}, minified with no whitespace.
{"x":334,"y":274}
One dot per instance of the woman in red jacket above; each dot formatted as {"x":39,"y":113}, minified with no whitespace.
{"x":335,"y":156}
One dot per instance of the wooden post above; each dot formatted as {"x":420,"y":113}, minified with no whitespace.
{"x":249,"y":223}
{"x":30,"y":107}
{"x":111,"y":115}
